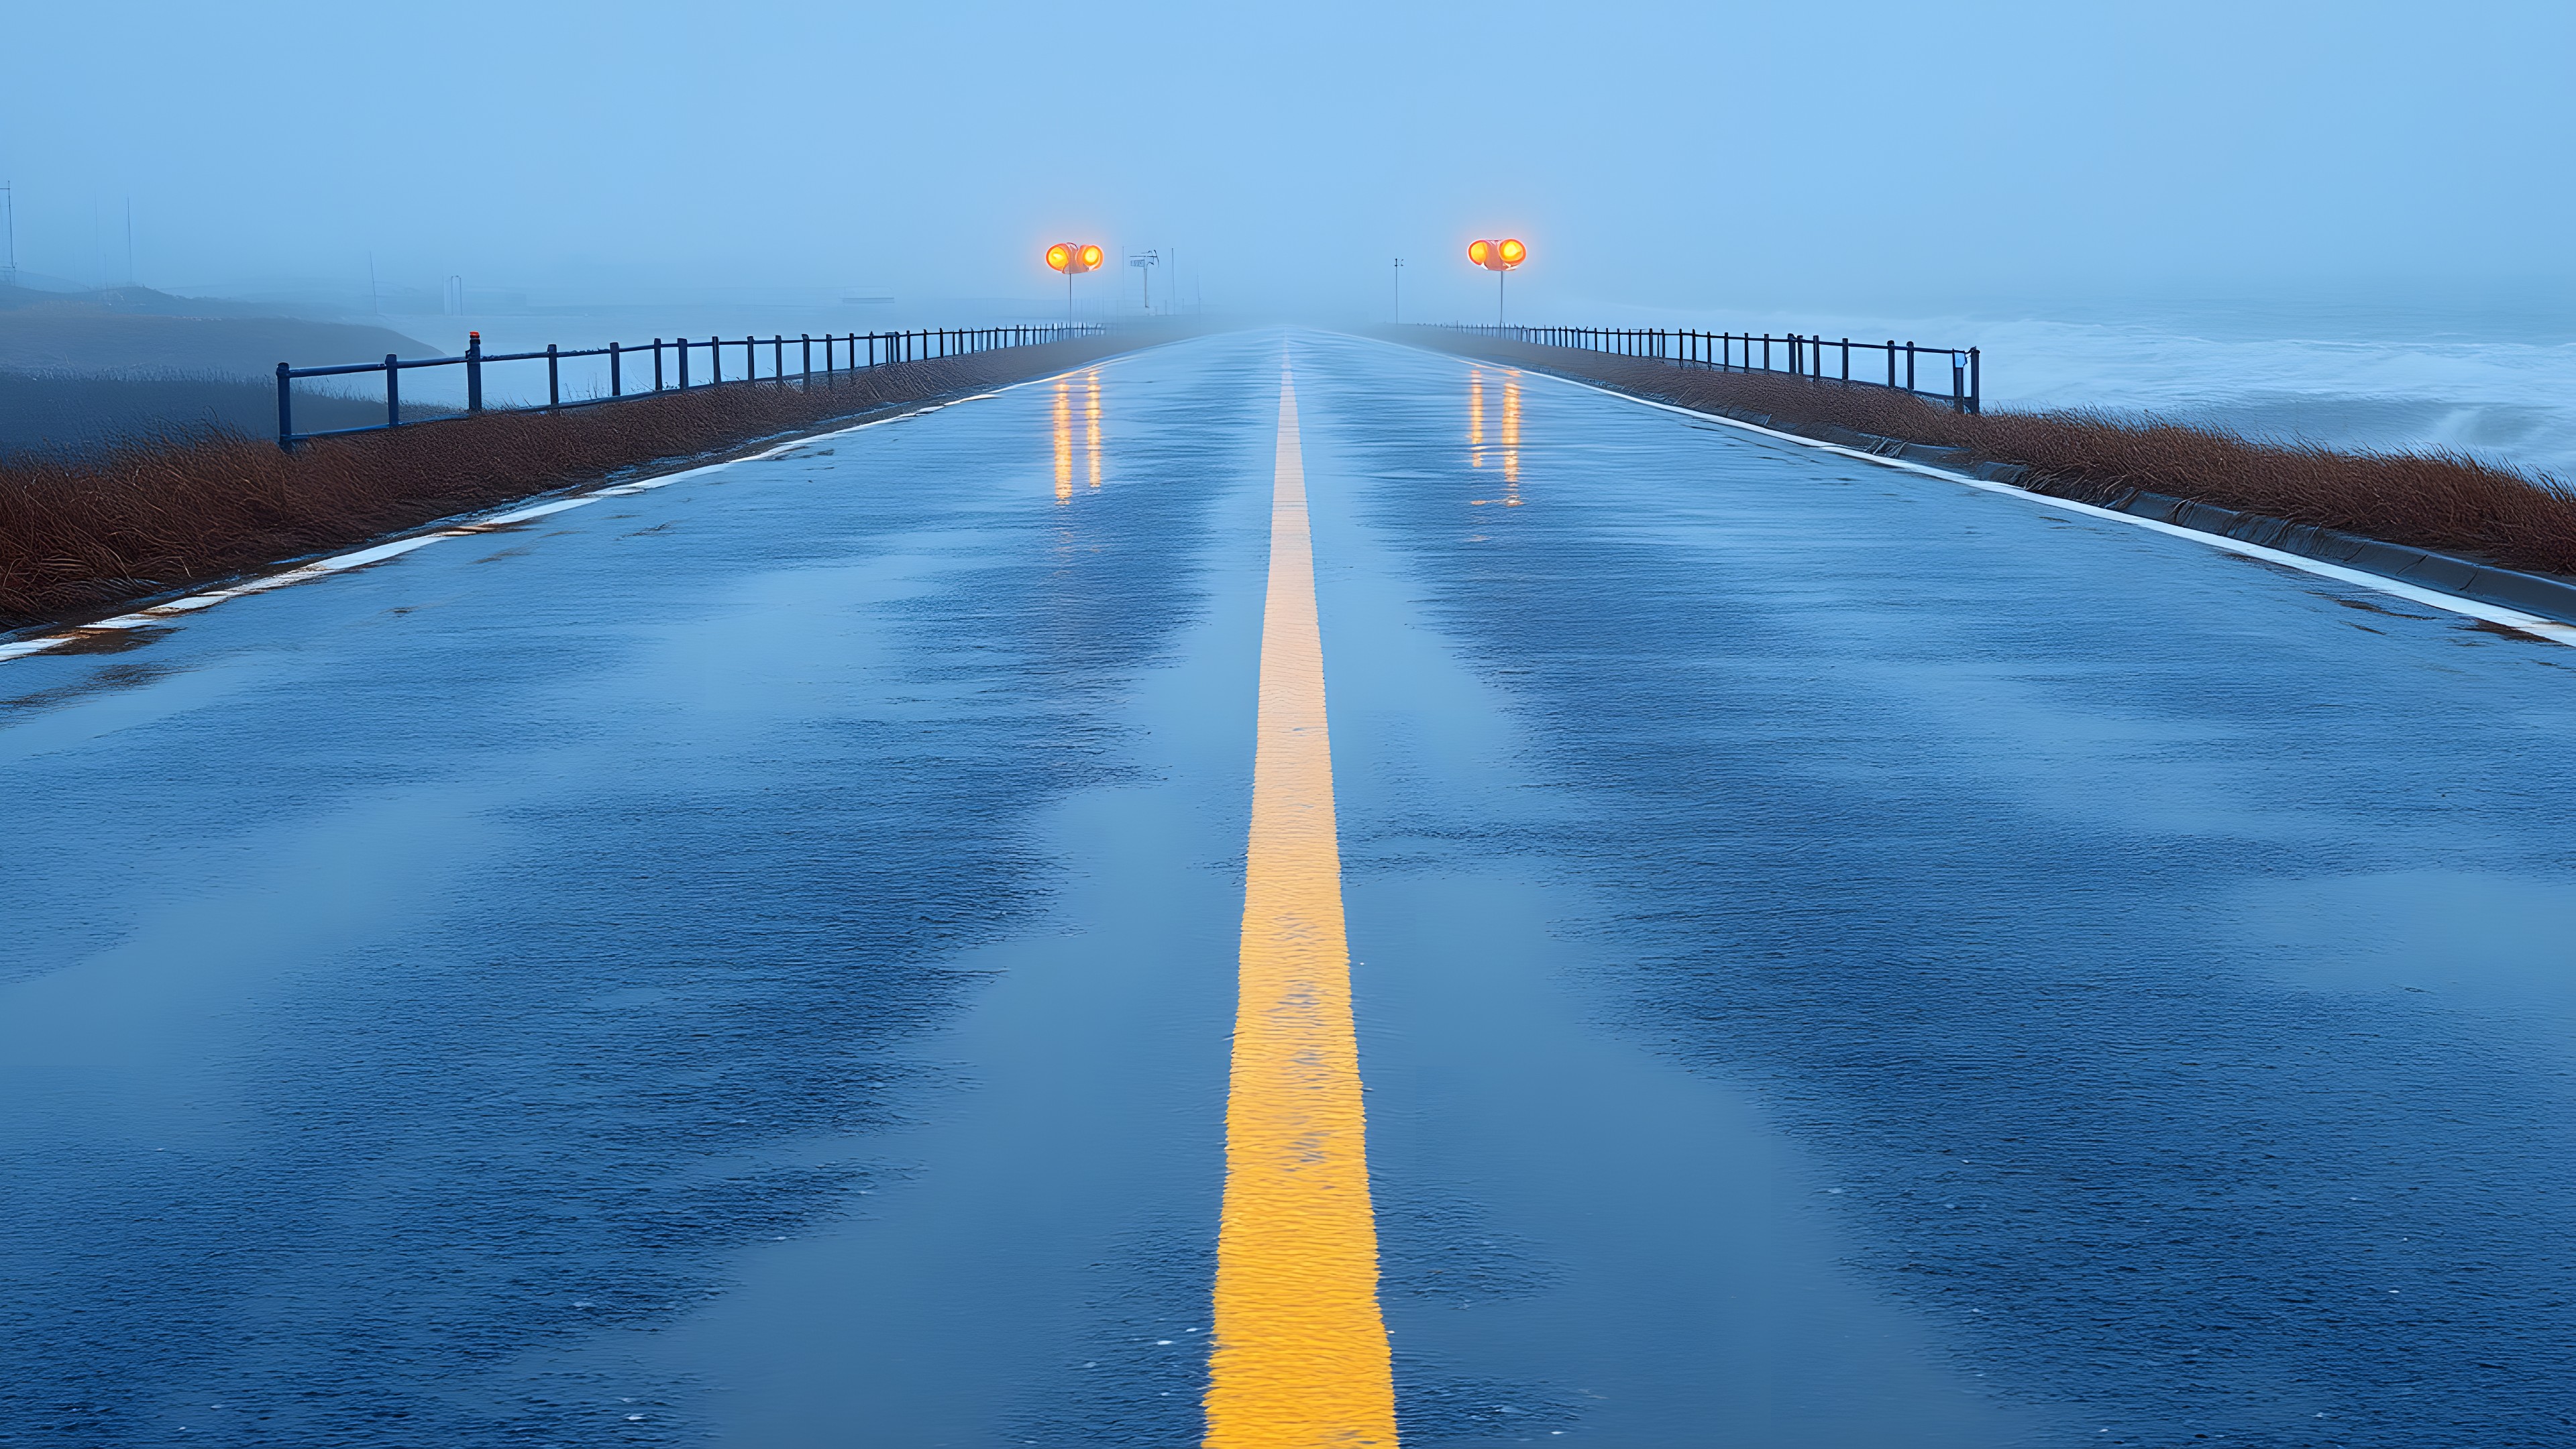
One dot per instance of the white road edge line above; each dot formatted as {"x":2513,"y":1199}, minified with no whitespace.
{"x":378,"y":553}
{"x":2533,"y":624}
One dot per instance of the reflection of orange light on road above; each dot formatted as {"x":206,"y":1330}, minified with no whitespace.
{"x":1063,"y":440}
{"x":1091,"y":415}
{"x":1512,"y":440}
{"x":1475,"y":419}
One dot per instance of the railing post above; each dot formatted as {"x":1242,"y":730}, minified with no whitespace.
{"x":778,"y":354}
{"x":682,"y":348}
{"x":1847,"y":359}
{"x":1976,"y":385}
{"x":715,"y":360}
{"x":1909,"y":367}
{"x":554,"y":379}
{"x":616,"y":372}
{"x":657,"y":364}
{"x":474,"y":372}
{"x":751,"y":359}
{"x":806,"y":367}
{"x":1891,"y":362}
{"x":285,"y":409}
{"x":393,"y":392}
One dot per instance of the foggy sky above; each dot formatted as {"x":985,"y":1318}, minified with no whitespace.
{"x":1703,"y":156}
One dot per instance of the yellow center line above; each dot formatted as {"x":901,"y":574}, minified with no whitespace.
{"x":1301,"y":1351}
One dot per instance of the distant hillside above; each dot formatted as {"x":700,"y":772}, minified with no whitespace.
{"x":70,"y":413}
{"x":131,"y":331}
{"x":140,"y":300}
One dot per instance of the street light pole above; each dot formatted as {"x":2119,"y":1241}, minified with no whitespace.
{"x":1073,"y":258}
{"x":1399,"y":291}
{"x":1498,"y":257}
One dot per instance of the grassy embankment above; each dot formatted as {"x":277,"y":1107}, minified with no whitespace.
{"x":80,"y":535}
{"x":2445,"y":502}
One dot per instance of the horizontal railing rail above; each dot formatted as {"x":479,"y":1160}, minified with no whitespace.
{"x":1798,"y":355}
{"x":843,"y":352}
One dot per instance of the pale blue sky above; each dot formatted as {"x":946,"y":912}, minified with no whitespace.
{"x":1911,"y":157}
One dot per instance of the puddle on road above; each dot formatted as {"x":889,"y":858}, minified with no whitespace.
{"x":113,"y":677}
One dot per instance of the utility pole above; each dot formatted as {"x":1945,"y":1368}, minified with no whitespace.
{"x":9,"y":203}
{"x":1399,"y":291}
{"x":129,"y":241}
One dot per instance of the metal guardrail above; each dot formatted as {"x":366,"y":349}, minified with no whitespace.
{"x":1801,"y":355}
{"x":842,"y":352}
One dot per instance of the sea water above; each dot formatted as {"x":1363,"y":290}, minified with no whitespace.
{"x":2490,"y":382}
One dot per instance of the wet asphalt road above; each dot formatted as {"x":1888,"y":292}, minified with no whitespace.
{"x":1840,"y":958}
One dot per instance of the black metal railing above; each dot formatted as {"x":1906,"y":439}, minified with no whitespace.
{"x":842,"y":352}
{"x":1828,"y":359}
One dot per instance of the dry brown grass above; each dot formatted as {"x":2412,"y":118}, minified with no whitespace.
{"x":2441,"y":501}
{"x":156,"y":514}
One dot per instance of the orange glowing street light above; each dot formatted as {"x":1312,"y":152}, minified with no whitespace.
{"x":1073,"y":259}
{"x":1498,"y":257}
